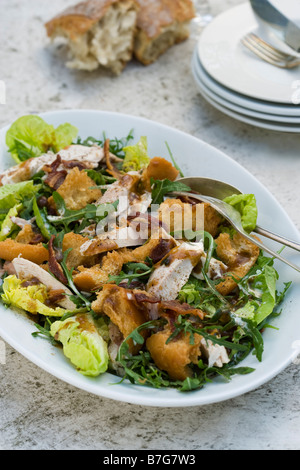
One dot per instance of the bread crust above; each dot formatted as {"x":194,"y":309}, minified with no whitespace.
{"x":155,"y":15}
{"x":78,"y":19}
{"x":160,"y":25}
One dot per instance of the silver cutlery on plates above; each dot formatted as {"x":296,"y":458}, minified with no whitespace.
{"x":213,"y":191}
{"x":269,"y":53}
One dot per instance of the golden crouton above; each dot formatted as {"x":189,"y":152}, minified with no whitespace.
{"x":181,"y":217}
{"x":239,"y":254}
{"x":11,"y":249}
{"x":174,"y":357}
{"x":120,"y":306}
{"x":25,"y":235}
{"x":75,"y":258}
{"x":91,"y":279}
{"x":76,"y":190}
{"x":159,"y":169}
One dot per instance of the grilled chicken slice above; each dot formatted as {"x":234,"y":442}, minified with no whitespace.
{"x":215,"y":353}
{"x":173,"y":271}
{"x":132,"y":197}
{"x":27,"y":270}
{"x":25,"y":170}
{"x":216,"y":269}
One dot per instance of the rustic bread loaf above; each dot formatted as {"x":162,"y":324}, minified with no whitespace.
{"x":160,"y":25}
{"x":98,"y":33}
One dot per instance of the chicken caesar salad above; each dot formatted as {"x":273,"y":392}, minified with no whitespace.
{"x":118,"y":274}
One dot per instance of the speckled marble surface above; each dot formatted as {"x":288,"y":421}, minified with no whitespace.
{"x":40,"y":412}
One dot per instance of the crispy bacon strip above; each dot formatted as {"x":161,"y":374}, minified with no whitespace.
{"x":57,"y":177}
{"x":111,"y":169}
{"x":167,"y":306}
{"x":54,"y":265}
{"x":54,"y":297}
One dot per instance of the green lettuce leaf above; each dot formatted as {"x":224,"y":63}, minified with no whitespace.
{"x":31,"y":298}
{"x":247,"y":311}
{"x":7,"y":226}
{"x":64,"y":135}
{"x":30,"y":136}
{"x":82,"y":344}
{"x":13,"y":194}
{"x":259,"y":287}
{"x":245,"y":204}
{"x":265,"y":284}
{"x":136,"y":156}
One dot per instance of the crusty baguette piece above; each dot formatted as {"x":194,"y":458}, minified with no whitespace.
{"x":160,"y":25}
{"x":98,"y":33}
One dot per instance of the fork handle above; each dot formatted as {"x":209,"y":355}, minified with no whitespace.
{"x":277,"y":238}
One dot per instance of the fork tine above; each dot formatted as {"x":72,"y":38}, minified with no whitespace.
{"x":266,"y":51}
{"x":270,"y":48}
{"x":261,"y":54}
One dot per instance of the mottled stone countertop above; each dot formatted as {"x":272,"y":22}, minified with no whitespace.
{"x":41,"y":412}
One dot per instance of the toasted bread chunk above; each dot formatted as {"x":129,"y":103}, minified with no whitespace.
{"x":159,"y":169}
{"x":175,"y":356}
{"x":25,"y":235}
{"x":98,"y":33}
{"x":75,"y":257}
{"x":161,"y":24}
{"x":78,"y":190}
{"x":120,"y":306}
{"x":11,"y":249}
{"x":239,"y":254}
{"x":91,"y":279}
{"x":179,"y":217}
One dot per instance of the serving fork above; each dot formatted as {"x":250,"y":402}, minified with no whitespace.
{"x":213,"y":192}
{"x":269,"y":53}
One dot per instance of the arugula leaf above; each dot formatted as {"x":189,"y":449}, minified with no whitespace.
{"x":184,"y":325}
{"x":208,"y":373}
{"x":162,"y":187}
{"x":116,"y":145}
{"x":130,"y":272}
{"x":99,"y":178}
{"x":141,"y":370}
{"x":89,"y":213}
{"x":42,"y":221}
{"x":69,"y":275}
{"x":173,"y":160}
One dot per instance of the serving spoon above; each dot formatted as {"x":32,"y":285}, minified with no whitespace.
{"x":213,"y":192}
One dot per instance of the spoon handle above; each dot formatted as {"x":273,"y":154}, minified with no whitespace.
{"x":268,"y":250}
{"x":277,"y":238}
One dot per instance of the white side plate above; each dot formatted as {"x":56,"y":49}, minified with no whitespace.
{"x":229,"y":63}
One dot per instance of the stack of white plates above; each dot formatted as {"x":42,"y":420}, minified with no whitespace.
{"x":235,"y":81}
